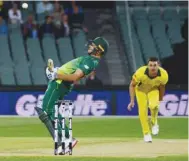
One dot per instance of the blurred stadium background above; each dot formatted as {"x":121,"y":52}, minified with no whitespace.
{"x":32,"y":32}
{"x":135,"y":31}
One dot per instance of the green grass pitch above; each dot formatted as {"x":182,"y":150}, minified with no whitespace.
{"x":100,"y":139}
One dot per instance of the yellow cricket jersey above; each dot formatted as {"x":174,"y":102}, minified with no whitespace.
{"x":145,"y":83}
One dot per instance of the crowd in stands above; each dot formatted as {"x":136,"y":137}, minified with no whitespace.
{"x":60,"y":19}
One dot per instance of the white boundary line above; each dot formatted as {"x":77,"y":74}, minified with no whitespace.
{"x":87,"y":117}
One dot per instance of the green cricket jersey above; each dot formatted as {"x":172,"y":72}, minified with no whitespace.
{"x":85,"y":63}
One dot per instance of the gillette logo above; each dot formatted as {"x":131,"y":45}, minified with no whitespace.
{"x":174,"y":105}
{"x":84,"y":105}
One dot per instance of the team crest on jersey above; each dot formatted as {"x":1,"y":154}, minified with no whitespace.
{"x":86,"y":67}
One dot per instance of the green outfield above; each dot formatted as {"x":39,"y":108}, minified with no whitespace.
{"x":100,"y":139}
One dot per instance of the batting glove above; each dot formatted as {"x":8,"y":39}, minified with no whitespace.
{"x":51,"y":75}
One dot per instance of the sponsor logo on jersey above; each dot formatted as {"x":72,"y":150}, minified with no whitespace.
{"x":86,"y":66}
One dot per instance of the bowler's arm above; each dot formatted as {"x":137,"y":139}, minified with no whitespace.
{"x":71,"y":77}
{"x":161,"y":92}
{"x":132,"y":90}
{"x":162,"y":86}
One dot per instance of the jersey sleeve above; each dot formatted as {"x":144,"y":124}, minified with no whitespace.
{"x":86,"y":66}
{"x":59,"y":70}
{"x":137,"y":76}
{"x":165,"y":78}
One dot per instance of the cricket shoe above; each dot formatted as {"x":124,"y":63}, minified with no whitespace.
{"x":148,"y":138}
{"x":74,"y":142}
{"x":155,"y":129}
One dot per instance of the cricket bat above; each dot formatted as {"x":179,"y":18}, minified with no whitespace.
{"x":50,"y":65}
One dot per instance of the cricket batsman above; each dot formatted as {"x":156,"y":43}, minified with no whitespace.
{"x":148,"y":84}
{"x":61,"y":83}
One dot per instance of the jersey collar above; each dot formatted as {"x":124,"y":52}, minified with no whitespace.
{"x":147,"y":73}
{"x":94,"y":57}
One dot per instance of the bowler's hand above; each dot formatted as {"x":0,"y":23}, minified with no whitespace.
{"x":131,"y":105}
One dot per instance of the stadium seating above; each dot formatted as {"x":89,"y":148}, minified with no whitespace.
{"x":146,"y":39}
{"x":22,"y":74}
{"x":152,"y":3}
{"x":79,"y":41}
{"x":154,"y":14}
{"x":136,"y":3}
{"x":139,"y":14}
{"x":134,"y":46}
{"x":34,"y":52}
{"x":49,"y":49}
{"x":148,"y":28}
{"x":161,"y":40}
{"x":171,"y":17}
{"x":157,"y":3}
{"x":34,"y":67}
{"x":137,"y":52}
{"x":174,"y":32}
{"x":5,"y":58}
{"x":156,"y":28}
{"x":183,"y":15}
{"x":17,"y":47}
{"x":65,"y":49}
{"x":170,"y":14}
{"x":38,"y":75}
{"x":19,"y":56}
{"x":169,"y":3}
{"x":14,"y":29}
{"x":7,"y":76}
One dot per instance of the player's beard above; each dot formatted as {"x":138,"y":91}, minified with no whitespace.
{"x":92,"y":52}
